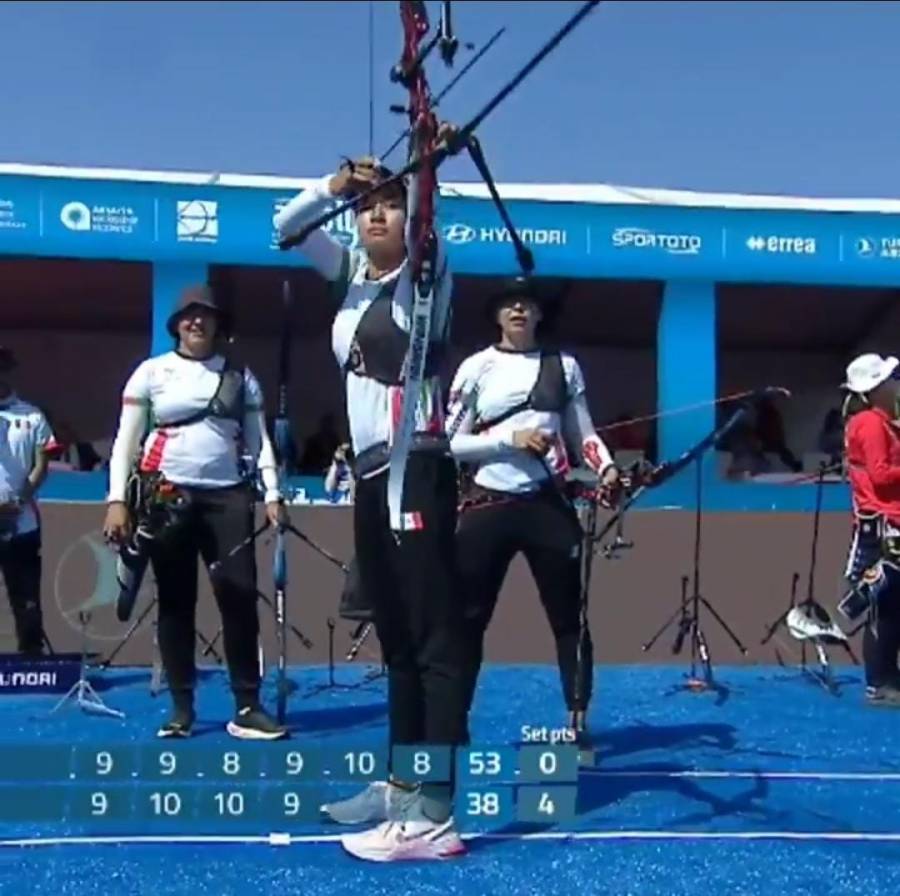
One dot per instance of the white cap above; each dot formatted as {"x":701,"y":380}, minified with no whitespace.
{"x":868,"y":371}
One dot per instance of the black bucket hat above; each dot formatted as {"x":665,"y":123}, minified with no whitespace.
{"x":198,"y":296}
{"x":546,"y":295}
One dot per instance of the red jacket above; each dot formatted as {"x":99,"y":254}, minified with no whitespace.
{"x":872,"y":445}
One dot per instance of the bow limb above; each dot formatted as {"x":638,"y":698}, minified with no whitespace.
{"x":666,"y":470}
{"x":437,"y":154}
{"x":282,"y":423}
{"x":421,"y":246}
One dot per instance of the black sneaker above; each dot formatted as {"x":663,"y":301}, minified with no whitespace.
{"x":253,"y":723}
{"x":885,"y":696}
{"x":179,"y":725}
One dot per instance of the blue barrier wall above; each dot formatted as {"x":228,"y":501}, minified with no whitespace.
{"x":183,"y":228}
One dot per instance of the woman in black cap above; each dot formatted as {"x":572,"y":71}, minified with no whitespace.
{"x":193,"y":420}
{"x":516,"y":410}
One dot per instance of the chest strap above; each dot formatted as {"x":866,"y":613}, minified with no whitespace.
{"x":548,"y":393}
{"x":227,"y":401}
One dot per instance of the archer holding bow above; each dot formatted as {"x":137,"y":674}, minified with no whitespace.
{"x":514,"y":407}
{"x":872,"y":446}
{"x":410,"y":579}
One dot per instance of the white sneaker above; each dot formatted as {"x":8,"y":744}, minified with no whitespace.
{"x":397,"y":841}
{"x":380,"y":801}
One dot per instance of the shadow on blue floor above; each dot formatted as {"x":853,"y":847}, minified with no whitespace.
{"x":779,"y":758}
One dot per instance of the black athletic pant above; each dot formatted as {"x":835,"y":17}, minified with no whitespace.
{"x":545,"y":528}
{"x":20,"y":562}
{"x":414,"y":589}
{"x":881,"y":637}
{"x":215,"y":521}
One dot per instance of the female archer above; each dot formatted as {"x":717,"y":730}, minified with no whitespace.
{"x":513,"y":408}
{"x":872,"y":446}
{"x":170,"y":402}
{"x":411,"y":578}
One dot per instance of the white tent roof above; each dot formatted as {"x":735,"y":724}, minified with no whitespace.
{"x":601,"y":194}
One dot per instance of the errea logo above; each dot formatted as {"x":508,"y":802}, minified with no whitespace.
{"x":782,"y":245}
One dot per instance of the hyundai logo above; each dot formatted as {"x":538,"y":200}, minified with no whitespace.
{"x":459,"y":234}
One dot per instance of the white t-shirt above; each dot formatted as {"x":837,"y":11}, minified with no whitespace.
{"x":490,"y":383}
{"x":24,"y":430}
{"x":373,"y":409}
{"x":204,"y":454}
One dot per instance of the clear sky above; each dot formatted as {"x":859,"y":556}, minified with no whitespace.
{"x":779,"y":97}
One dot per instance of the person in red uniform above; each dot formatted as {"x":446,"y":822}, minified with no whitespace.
{"x":872,"y":449}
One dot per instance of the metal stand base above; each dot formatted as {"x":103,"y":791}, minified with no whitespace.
{"x":82,"y":692}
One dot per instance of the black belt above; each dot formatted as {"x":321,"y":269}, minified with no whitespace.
{"x":379,"y":455}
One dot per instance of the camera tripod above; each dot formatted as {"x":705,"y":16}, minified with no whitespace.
{"x":82,"y":692}
{"x":688,"y":613}
{"x":132,"y":630}
{"x":809,"y":620}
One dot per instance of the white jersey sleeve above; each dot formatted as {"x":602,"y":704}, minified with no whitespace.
{"x":324,"y":252}
{"x":133,"y":422}
{"x":578,"y":426}
{"x":465,"y":445}
{"x":256,"y":437}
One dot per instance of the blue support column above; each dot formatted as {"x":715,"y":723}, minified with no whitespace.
{"x":686,"y":367}
{"x":169,"y":279}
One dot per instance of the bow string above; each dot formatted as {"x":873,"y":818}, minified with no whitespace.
{"x":414,"y":18}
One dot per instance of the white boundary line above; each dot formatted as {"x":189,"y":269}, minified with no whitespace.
{"x":775,"y":776}
{"x":276,"y":839}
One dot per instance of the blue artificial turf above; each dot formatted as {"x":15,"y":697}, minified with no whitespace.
{"x":789,"y":745}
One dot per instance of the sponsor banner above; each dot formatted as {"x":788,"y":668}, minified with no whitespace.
{"x":54,"y":674}
{"x":869,"y":247}
{"x":78,"y":214}
{"x":215,"y":224}
{"x":20,"y":213}
{"x":478,"y":241}
{"x":641,"y":243}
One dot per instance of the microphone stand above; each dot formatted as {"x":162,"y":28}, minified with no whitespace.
{"x":810,"y":607}
{"x":689,"y":610}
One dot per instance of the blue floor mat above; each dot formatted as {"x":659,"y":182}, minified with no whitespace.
{"x":768,"y":785}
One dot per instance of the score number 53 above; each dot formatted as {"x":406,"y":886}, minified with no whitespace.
{"x":484,"y":762}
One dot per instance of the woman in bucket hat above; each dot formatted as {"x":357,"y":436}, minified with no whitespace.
{"x":192,"y":419}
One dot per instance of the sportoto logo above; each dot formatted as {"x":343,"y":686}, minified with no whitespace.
{"x":460,"y":234}
{"x":76,"y":216}
{"x":198,"y":221}
{"x":642,"y":238}
{"x":86,"y":582}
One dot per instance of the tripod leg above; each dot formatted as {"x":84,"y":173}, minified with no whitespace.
{"x":210,"y":645}
{"x":360,"y":636}
{"x":665,"y":625}
{"x":724,"y":625}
